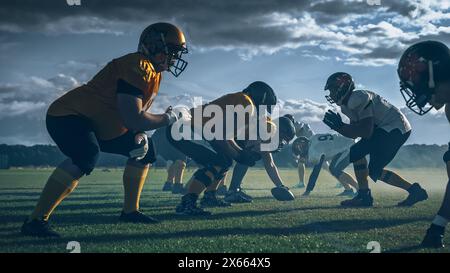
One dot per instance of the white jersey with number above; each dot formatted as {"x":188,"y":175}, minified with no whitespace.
{"x":364,"y":104}
{"x":327,"y":144}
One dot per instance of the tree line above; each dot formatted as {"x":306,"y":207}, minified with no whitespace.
{"x":409,"y":156}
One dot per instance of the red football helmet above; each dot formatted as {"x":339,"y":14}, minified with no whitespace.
{"x":421,"y":67}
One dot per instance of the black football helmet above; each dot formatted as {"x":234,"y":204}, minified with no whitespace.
{"x":339,"y":84}
{"x":168,"y":39}
{"x":261,"y":94}
{"x":420,"y":68}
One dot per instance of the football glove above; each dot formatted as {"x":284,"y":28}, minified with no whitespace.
{"x":178,"y":113}
{"x":333,"y":120}
{"x":141,"y":149}
{"x":172,"y":116}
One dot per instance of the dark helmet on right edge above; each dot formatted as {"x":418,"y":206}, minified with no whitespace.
{"x":261,"y":94}
{"x":421,"y":67}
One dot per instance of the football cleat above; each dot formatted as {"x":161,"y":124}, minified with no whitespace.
{"x":362,"y":199}
{"x":349,"y":193}
{"x":434,"y":238}
{"x":244,"y":194}
{"x":299,"y":185}
{"x":237,"y":197}
{"x":38,"y":228}
{"x":416,"y":194}
{"x":210,"y":200}
{"x":222,"y":190}
{"x":137,"y":217}
{"x":188,"y":206}
{"x":282,"y":193}
{"x":167,"y":186}
{"x":178,"y":189}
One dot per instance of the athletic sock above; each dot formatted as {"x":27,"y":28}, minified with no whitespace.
{"x":59,"y":185}
{"x":133,"y":182}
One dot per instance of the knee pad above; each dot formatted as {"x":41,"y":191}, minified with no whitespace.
{"x":201,"y":176}
{"x":339,"y":163}
{"x":88,"y":159}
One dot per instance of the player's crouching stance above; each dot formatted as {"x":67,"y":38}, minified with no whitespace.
{"x":424,"y":71}
{"x":383,"y":130}
{"x":286,"y":133}
{"x":216,"y":162}
{"x":109,"y":114}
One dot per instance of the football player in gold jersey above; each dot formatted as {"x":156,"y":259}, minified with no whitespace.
{"x":109,"y":114}
{"x":215,"y":162}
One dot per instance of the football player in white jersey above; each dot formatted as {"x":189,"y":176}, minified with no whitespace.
{"x":383,"y":129}
{"x":329,"y":145}
{"x":424,"y":72}
{"x":301,"y":130}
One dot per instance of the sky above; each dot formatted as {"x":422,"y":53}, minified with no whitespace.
{"x":49,"y":47}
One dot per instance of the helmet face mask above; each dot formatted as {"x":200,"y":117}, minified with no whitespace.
{"x":418,"y":102}
{"x":176,"y":64}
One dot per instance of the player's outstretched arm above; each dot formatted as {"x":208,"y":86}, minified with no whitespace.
{"x":271,"y":169}
{"x":135,"y":118}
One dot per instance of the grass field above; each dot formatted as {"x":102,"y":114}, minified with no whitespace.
{"x":312,"y":224}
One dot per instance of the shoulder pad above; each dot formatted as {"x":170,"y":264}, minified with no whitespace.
{"x":359,"y":98}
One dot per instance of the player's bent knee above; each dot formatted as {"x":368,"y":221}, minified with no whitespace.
{"x":86,"y":162}
{"x":200,"y":175}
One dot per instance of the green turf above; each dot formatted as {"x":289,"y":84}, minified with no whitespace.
{"x":312,"y":224}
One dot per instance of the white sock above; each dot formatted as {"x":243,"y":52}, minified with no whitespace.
{"x":440,"y":221}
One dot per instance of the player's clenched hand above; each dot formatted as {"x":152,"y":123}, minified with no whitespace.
{"x":178,"y":113}
{"x":333,"y":120}
{"x":141,"y":149}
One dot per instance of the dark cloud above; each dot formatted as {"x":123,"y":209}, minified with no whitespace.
{"x":255,"y":26}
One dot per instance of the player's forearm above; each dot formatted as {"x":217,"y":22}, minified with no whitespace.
{"x":271,"y":169}
{"x":356,"y":130}
{"x":145,"y":121}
